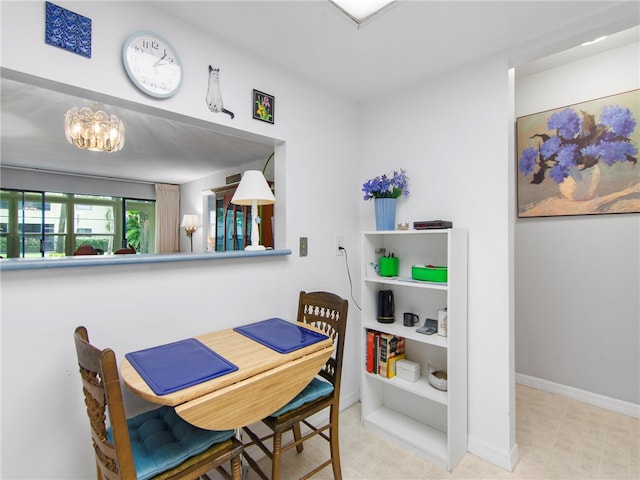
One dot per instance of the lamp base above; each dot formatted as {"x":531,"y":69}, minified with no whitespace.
{"x":255,"y":247}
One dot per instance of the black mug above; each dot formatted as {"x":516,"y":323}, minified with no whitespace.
{"x":410,"y":319}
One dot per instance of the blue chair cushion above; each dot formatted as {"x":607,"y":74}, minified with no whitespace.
{"x":160,"y":440}
{"x":316,"y":389}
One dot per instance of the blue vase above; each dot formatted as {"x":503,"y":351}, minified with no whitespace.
{"x":385,"y":213}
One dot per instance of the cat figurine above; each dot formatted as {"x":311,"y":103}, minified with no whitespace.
{"x":214,"y":94}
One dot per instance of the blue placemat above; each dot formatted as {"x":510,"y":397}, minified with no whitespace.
{"x":174,"y":366}
{"x":280,"y":335}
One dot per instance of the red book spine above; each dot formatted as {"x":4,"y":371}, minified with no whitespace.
{"x":370,"y":350}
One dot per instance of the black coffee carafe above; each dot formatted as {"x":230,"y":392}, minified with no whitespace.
{"x":385,"y":306}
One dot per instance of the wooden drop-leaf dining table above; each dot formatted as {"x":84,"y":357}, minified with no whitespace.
{"x":264,"y":381}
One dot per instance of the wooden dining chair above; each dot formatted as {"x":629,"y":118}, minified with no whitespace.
{"x":85,"y":250}
{"x":126,"y":250}
{"x":328,"y":312}
{"x":156,"y":445}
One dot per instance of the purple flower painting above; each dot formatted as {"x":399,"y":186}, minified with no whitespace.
{"x":581,"y":159}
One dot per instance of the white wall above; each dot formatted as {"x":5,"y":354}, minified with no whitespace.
{"x":578,"y":278}
{"x":131,"y":307}
{"x":453,"y":144}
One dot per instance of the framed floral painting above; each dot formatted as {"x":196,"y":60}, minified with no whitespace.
{"x":264,"y":106}
{"x":580,"y":159}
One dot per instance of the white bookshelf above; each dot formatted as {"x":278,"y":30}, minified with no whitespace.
{"x":423,"y":440}
{"x":428,"y":421}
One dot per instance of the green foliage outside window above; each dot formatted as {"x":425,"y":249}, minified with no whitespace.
{"x":133,"y":229}
{"x":100,"y":244}
{"x":137,"y":231}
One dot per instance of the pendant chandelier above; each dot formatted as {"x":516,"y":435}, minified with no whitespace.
{"x":94,"y":130}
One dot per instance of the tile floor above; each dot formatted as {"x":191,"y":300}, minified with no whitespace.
{"x":558,"y":438}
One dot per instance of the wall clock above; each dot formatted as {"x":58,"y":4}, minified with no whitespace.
{"x":152,"y":64}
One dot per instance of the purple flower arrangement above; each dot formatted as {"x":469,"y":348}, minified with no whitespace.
{"x":580,"y":142}
{"x":385,"y":187}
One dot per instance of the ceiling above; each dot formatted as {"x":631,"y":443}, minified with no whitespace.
{"x":399,"y":47}
{"x":405,"y":43}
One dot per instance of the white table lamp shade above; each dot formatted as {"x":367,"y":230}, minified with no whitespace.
{"x":253,"y":190}
{"x":253,"y":187}
{"x":190,"y":221}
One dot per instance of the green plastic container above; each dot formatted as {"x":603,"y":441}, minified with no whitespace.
{"x":429,"y":273}
{"x":389,"y":266}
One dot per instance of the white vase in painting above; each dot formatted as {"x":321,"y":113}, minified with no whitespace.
{"x":581,"y":185}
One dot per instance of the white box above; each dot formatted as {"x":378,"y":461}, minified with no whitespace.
{"x":408,"y":370}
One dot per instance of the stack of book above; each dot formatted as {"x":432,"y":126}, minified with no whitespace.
{"x":383,"y":351}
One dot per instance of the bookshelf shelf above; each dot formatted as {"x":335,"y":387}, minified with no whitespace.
{"x":421,"y":438}
{"x":421,"y":387}
{"x":400,"y":330}
{"x":431,"y":422}
{"x":404,"y":281}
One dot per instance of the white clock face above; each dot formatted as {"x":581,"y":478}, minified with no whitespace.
{"x":152,"y":64}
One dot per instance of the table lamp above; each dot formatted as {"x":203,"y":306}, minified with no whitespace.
{"x":190,"y":224}
{"x":253,"y":190}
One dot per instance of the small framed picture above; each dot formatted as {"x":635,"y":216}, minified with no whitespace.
{"x":263,"y":106}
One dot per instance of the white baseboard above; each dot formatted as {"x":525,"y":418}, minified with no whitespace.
{"x":620,"y":406}
{"x":351,"y":399}
{"x":501,"y":458}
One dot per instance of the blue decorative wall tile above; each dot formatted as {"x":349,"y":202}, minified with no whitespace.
{"x":68,"y":30}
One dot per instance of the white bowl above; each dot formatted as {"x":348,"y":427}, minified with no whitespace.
{"x":437,"y":378}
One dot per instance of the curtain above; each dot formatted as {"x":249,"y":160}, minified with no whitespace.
{"x":167,"y":218}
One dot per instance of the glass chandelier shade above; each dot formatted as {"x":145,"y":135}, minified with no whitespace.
{"x":94,"y":130}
